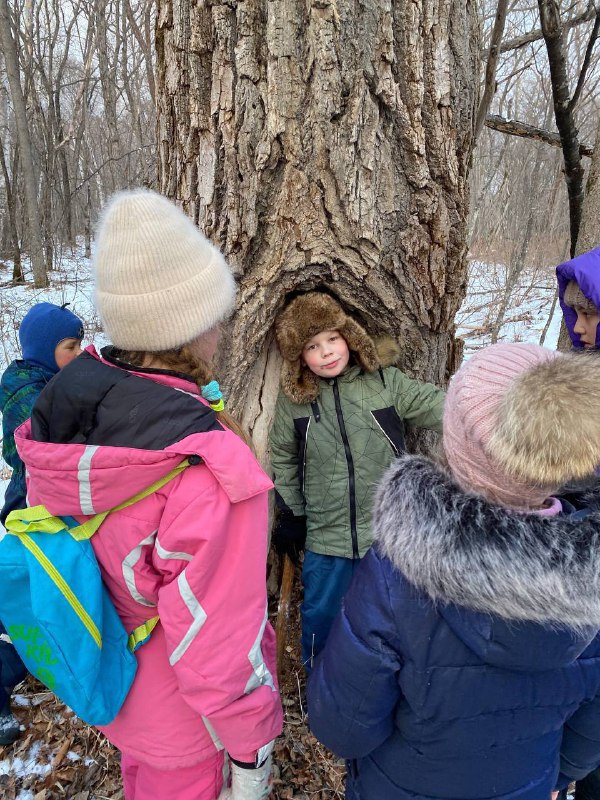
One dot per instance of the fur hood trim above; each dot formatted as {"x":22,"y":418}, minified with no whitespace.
{"x":536,"y":438}
{"x":308,"y":315}
{"x":459,"y":548}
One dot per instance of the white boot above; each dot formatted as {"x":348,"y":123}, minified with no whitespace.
{"x":251,"y":784}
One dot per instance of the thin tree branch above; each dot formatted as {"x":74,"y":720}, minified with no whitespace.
{"x":586,"y":62}
{"x":490,"y":69}
{"x":554,"y":37}
{"x":534,"y":36}
{"x":513,"y":127}
{"x":112,"y":159}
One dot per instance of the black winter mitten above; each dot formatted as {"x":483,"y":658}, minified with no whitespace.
{"x":289,"y":535}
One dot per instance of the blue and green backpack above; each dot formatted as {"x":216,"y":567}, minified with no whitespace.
{"x":58,"y":613}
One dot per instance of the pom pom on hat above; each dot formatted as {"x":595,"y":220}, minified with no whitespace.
{"x":521,"y":420}
{"x":159,"y":282}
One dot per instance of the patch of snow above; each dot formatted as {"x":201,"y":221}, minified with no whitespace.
{"x":30,"y":765}
{"x":72,"y":756}
{"x":527,"y":312}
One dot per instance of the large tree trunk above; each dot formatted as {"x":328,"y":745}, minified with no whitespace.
{"x":324,"y":143}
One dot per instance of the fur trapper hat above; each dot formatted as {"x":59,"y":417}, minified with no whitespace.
{"x":305,"y":317}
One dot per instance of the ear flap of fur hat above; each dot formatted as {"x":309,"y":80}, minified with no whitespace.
{"x":388,"y":350}
{"x":548,"y":428}
{"x":302,"y":319}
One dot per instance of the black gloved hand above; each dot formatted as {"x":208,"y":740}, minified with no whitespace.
{"x":289,"y":535}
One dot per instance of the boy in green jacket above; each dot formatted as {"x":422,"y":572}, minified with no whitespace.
{"x":339,"y":423}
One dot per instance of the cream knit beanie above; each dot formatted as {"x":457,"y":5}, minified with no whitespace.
{"x":159,"y":282}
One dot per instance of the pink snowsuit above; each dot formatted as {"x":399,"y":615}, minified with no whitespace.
{"x":195,"y":553}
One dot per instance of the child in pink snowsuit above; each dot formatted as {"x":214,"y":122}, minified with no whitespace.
{"x":111,"y":424}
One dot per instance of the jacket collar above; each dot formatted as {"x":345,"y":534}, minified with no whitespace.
{"x":459,"y":548}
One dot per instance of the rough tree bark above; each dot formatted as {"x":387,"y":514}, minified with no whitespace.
{"x":324,"y":143}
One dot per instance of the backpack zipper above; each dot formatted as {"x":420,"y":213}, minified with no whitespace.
{"x":350,"y":464}
{"x":63,"y":588}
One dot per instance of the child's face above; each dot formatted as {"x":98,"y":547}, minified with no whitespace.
{"x":586,"y":327}
{"x":67,"y":351}
{"x":326,"y":354}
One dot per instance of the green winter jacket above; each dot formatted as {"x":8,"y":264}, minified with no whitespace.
{"x":329,"y":455}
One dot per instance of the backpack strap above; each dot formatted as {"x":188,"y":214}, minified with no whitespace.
{"x":37,"y":519}
{"x":62,"y":586}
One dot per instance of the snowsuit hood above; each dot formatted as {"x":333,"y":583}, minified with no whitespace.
{"x":20,"y":387}
{"x":585,"y":269}
{"x":84,"y":414}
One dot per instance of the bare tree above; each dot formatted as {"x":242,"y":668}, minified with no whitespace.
{"x":9,"y":49}
{"x":563,"y":108}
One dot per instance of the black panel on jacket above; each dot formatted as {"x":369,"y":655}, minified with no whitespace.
{"x":392,"y":426}
{"x":301,"y":425}
{"x":90,"y":402}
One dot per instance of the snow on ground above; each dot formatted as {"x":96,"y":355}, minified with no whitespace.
{"x":29,"y":765}
{"x":527,"y":313}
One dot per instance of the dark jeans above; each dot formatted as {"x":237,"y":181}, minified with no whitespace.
{"x":325,"y":580}
{"x":586,"y":789}
{"x":12,"y":671}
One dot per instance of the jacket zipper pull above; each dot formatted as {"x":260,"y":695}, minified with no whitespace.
{"x":316,"y":411}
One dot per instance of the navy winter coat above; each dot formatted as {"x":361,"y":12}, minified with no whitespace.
{"x":467,"y":687}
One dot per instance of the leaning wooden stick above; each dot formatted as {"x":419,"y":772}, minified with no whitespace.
{"x":283,"y":613}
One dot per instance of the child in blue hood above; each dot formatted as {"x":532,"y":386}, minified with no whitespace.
{"x":579,"y":296}
{"x":50,"y":338}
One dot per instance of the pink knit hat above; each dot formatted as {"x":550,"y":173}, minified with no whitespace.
{"x":472,"y":416}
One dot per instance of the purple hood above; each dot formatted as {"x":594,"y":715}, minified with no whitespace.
{"x":584,"y":269}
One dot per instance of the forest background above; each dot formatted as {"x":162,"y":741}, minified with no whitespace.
{"x":81,"y":116}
